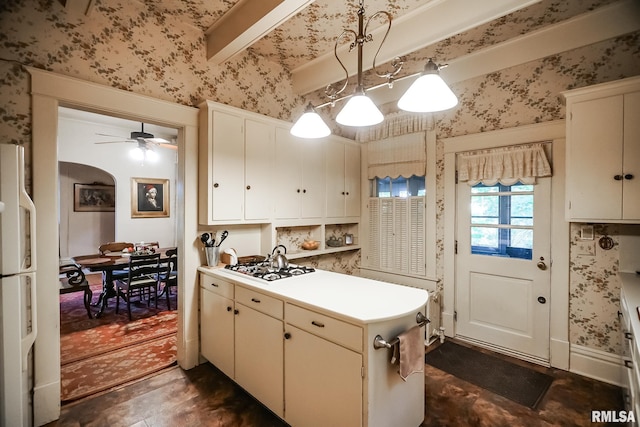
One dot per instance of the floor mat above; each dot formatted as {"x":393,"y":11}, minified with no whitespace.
{"x":517,"y":383}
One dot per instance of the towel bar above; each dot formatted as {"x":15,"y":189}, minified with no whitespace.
{"x":379,"y":342}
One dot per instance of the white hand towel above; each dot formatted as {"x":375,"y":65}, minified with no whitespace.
{"x":411,"y":348}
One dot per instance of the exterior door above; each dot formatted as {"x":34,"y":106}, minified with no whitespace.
{"x":503,"y":266}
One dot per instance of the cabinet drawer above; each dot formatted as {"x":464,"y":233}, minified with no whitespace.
{"x":334,"y":330}
{"x":261,"y":302}
{"x":216,"y":285}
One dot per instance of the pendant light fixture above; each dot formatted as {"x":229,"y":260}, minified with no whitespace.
{"x":429,"y":93}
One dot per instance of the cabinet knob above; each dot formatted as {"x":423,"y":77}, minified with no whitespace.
{"x":347,"y":193}
{"x":236,"y":311}
{"x":229,"y":308}
{"x":617,"y":177}
{"x":298,"y":190}
{"x":628,"y":176}
{"x":256,"y":300}
{"x":287,"y":335}
{"x":343,"y":193}
{"x":248,"y":187}
{"x":304,"y":191}
{"x":628,"y":364}
{"x":318,"y":324}
{"x":216,"y":185}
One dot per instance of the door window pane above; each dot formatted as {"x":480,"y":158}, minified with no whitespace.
{"x":502,"y":220}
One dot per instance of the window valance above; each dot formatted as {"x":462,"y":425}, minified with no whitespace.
{"x":506,"y":165}
{"x":404,"y":155}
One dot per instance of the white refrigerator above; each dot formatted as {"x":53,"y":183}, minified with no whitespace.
{"x":17,"y":290}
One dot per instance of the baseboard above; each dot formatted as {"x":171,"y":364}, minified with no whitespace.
{"x":596,"y":364}
{"x":46,"y":403}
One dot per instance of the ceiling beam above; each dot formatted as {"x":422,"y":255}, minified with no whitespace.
{"x":424,"y":26}
{"x":245,"y":23}
{"x":609,"y":21}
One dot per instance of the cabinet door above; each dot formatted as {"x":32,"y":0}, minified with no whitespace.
{"x":259,"y":146}
{"x":335,"y":179}
{"x":228,"y":167}
{"x":595,"y":156}
{"x":259,"y":357}
{"x":352,"y":180}
{"x":631,"y":157}
{"x":323,"y":382}
{"x":313,"y":177}
{"x":288,"y":176}
{"x":217,"y":331}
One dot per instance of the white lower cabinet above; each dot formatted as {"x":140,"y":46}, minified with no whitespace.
{"x":323,"y":382}
{"x":259,"y":348}
{"x":217,"y":323}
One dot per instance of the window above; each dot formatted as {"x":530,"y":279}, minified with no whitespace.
{"x":398,"y":187}
{"x":502,"y":220}
{"x":397,"y":225}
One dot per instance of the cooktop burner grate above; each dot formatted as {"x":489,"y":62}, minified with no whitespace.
{"x":263,"y":271}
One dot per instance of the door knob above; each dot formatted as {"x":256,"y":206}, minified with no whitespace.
{"x":541,"y":264}
{"x":542,"y":300}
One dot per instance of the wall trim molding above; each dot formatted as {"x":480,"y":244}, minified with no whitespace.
{"x":596,"y":364}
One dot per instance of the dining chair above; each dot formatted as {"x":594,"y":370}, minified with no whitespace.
{"x":170,"y":275}
{"x":142,"y":280}
{"x":114,"y":247}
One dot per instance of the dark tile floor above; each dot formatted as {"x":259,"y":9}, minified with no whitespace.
{"x":205,"y":397}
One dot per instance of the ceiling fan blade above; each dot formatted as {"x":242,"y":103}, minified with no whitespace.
{"x":157,"y":140}
{"x":112,"y":136}
{"x":113,"y":142}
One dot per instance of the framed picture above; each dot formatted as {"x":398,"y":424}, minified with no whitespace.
{"x":149,"y":198}
{"x":94,"y":198}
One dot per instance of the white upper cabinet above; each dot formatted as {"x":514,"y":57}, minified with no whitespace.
{"x":343,"y":179}
{"x":299,"y":176}
{"x":235,"y":167}
{"x":603,"y":152}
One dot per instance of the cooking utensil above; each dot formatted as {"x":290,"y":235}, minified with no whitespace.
{"x":206,"y":239}
{"x":224,"y":235}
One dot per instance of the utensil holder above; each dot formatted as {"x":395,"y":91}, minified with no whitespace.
{"x":213,"y":255}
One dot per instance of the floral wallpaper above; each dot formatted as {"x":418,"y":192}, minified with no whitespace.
{"x":135,"y":46}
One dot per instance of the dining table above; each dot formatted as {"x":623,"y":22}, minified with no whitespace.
{"x":108,"y":263}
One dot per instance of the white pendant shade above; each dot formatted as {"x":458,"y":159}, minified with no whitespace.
{"x":429,"y":93}
{"x":310,"y":125}
{"x":359,"y":111}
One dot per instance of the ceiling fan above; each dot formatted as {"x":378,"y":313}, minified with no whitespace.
{"x":144,"y":140}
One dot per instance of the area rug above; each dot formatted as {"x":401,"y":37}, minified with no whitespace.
{"x":517,"y":383}
{"x":99,"y":354}
{"x":95,"y":374}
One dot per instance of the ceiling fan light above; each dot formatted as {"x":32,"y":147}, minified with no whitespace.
{"x":429,"y":93}
{"x":310,"y":125}
{"x":137,"y":153}
{"x":359,"y":111}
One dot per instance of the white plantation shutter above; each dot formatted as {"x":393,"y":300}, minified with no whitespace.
{"x":417,"y":259}
{"x":386,"y":233}
{"x":374,"y":233}
{"x":400,"y":235}
{"x":397,"y":235}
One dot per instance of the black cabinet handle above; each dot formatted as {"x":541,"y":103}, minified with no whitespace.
{"x":298,"y":190}
{"x":617,"y":177}
{"x":216,"y":185}
{"x":248,"y":187}
{"x":318,"y":324}
{"x":628,"y":176}
{"x":628,"y":364}
{"x":236,"y":311}
{"x":229,"y":309}
{"x":287,"y":335}
{"x":257,"y":301}
{"x":304,"y":191}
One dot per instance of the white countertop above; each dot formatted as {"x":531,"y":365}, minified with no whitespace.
{"x":351,"y":297}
